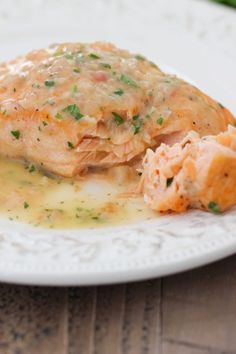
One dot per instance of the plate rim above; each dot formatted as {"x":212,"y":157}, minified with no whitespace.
{"x":156,"y":270}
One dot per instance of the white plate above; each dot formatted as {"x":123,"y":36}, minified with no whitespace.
{"x":195,"y":38}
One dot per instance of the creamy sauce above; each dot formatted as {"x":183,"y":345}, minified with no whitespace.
{"x":30,"y":196}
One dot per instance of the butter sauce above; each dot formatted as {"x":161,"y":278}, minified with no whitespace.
{"x":28,"y":195}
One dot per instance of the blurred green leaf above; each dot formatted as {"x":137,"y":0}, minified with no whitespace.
{"x":227,"y":2}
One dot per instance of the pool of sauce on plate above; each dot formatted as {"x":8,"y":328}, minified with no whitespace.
{"x":29,"y":195}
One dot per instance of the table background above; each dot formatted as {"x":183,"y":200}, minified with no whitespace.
{"x":188,"y":313}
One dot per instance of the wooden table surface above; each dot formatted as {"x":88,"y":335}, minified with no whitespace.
{"x":188,"y":313}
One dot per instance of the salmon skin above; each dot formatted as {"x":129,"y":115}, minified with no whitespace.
{"x":74,"y":107}
{"x":195,"y":173}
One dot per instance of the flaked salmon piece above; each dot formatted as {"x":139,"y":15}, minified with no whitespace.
{"x":76,"y":106}
{"x":195,"y":173}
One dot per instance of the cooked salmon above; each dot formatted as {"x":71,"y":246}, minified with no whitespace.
{"x":73,"y":107}
{"x":195,"y":173}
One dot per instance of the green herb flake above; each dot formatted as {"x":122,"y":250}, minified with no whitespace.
{"x":119,"y":92}
{"x":69,"y":55}
{"x":105,"y":65}
{"x":70,"y":145}
{"x":32,"y":168}
{"x":74,"y":111}
{"x":160,"y":120}
{"x":139,"y":57}
{"x":153,"y":64}
{"x":169,"y":181}
{"x":128,"y":81}
{"x":14,"y":89}
{"x":26,"y":205}
{"x":49,"y":83}
{"x":36,"y":86}
{"x":57,"y":54}
{"x":95,"y":217}
{"x":76,"y":70}
{"x":136,"y":128}
{"x":74,"y":90}
{"x":45,"y":123}
{"x":16,"y":134}
{"x":58,"y":116}
{"x":137,"y":123}
{"x":93,"y":56}
{"x":221,"y":105}
{"x":119,"y":120}
{"x":214,"y":207}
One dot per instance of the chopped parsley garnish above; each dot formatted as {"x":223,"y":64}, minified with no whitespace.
{"x":95,"y":217}
{"x":14,"y":89}
{"x":137,"y":127}
{"x":49,"y":83}
{"x":45,"y":123}
{"x":74,"y":111}
{"x":214,"y":207}
{"x":76,"y":70}
{"x":160,"y":120}
{"x":137,"y":123}
{"x":119,"y":92}
{"x":70,"y":145}
{"x":58,"y":116}
{"x":148,"y":116}
{"x":221,"y":105}
{"x":153,"y":64}
{"x":74,"y":90}
{"x":119,"y":120}
{"x":139,"y":57}
{"x":105,"y":65}
{"x":58,"y":53}
{"x":26,"y":205}
{"x":16,"y":134}
{"x":93,"y":56}
{"x":69,"y":55}
{"x":128,"y":81}
{"x":32,"y":168}
{"x":169,"y":181}
{"x":36,"y":86}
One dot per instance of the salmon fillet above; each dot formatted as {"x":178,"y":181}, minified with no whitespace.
{"x":73,"y":106}
{"x":197,"y":173}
